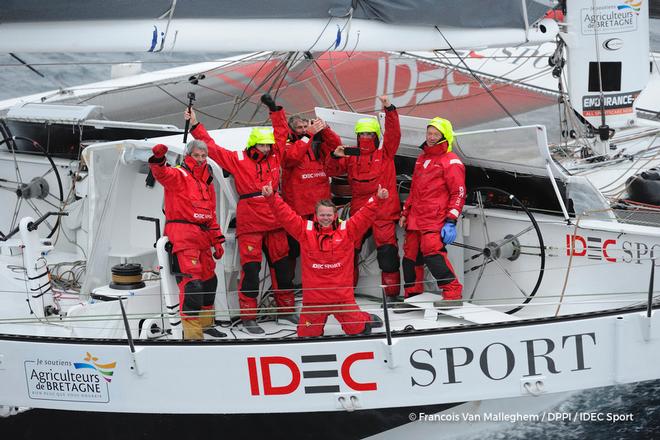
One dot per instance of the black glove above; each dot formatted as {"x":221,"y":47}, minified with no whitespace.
{"x":269,"y":102}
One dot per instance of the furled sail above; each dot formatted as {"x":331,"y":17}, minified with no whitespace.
{"x":252,"y":25}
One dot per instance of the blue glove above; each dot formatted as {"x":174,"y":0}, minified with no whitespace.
{"x":448,"y":232}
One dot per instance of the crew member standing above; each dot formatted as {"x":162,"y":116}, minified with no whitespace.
{"x":192,"y":228}
{"x":372,"y":167}
{"x":327,"y":262}
{"x":437,"y":196}
{"x":304,"y":181}
{"x":256,"y":227}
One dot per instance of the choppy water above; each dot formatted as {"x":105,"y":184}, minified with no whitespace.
{"x":641,"y":401}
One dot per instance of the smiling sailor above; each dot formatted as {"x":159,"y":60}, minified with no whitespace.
{"x":437,"y":196}
{"x":192,"y":228}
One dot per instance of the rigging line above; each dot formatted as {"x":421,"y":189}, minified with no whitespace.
{"x":285,"y":66}
{"x":518,"y":82}
{"x":244,"y":98}
{"x":600,"y":74}
{"x":169,"y":14}
{"x":320,"y":35}
{"x":334,"y":86}
{"x":479,"y":79}
{"x":185,"y":103}
{"x":57,"y":83}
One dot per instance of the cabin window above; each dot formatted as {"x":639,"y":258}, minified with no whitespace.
{"x":611,"y":76}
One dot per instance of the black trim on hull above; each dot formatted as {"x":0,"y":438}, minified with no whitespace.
{"x":79,"y":425}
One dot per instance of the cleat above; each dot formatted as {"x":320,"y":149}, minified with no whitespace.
{"x":252,"y":327}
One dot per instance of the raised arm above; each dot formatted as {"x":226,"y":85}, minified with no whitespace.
{"x":392,"y":136}
{"x":359,"y":223}
{"x":329,"y":141}
{"x":165,"y":175}
{"x":223,"y":157}
{"x":290,"y":221}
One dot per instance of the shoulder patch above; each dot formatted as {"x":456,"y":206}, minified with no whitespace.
{"x":181,"y":169}
{"x":342,"y":225}
{"x":240,"y":154}
{"x":455,"y":162}
{"x":310,"y":225}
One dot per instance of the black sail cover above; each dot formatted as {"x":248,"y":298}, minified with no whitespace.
{"x":455,"y":13}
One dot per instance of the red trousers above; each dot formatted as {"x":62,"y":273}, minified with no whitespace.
{"x":276,"y":247}
{"x":435,"y":257}
{"x":313,"y":318}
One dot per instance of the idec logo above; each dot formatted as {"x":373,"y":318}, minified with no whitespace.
{"x":307,"y":372}
{"x":104,"y":369}
{"x":610,"y":249}
{"x":410,"y":82}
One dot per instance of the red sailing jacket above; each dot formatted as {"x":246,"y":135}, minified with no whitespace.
{"x":189,"y":198}
{"x":371,"y":168}
{"x":252,"y":213}
{"x":326,"y":254}
{"x":437,"y":191}
{"x":304,"y":181}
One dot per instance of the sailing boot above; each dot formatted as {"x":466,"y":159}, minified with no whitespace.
{"x":414,"y":273}
{"x":374,"y":322}
{"x":285,"y":299}
{"x":192,"y":328}
{"x":207,"y":320}
{"x":391,"y":282}
{"x":452,"y":294}
{"x":249,"y":314}
{"x":252,"y":327}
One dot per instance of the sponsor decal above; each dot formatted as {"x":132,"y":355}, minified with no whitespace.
{"x":66,"y":380}
{"x":330,"y":377}
{"x":422,"y":83}
{"x":616,"y":104}
{"x":497,"y":361}
{"x":612,"y":18}
{"x":313,"y":175}
{"x":610,"y":249}
{"x":613,"y":44}
{"x":326,"y":265}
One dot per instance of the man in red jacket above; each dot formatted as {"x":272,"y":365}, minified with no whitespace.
{"x":437,"y":196}
{"x":304,"y":181}
{"x":374,"y":166}
{"x":192,"y":228}
{"x":327,"y":263}
{"x":256,"y":227}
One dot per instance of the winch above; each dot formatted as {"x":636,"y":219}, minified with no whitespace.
{"x":126,"y":276}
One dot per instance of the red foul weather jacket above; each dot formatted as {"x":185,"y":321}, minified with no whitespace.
{"x":304,"y":181}
{"x":252,"y":213}
{"x":437,"y":191}
{"x":371,"y":168}
{"x":189,"y":204}
{"x":326,"y":253}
